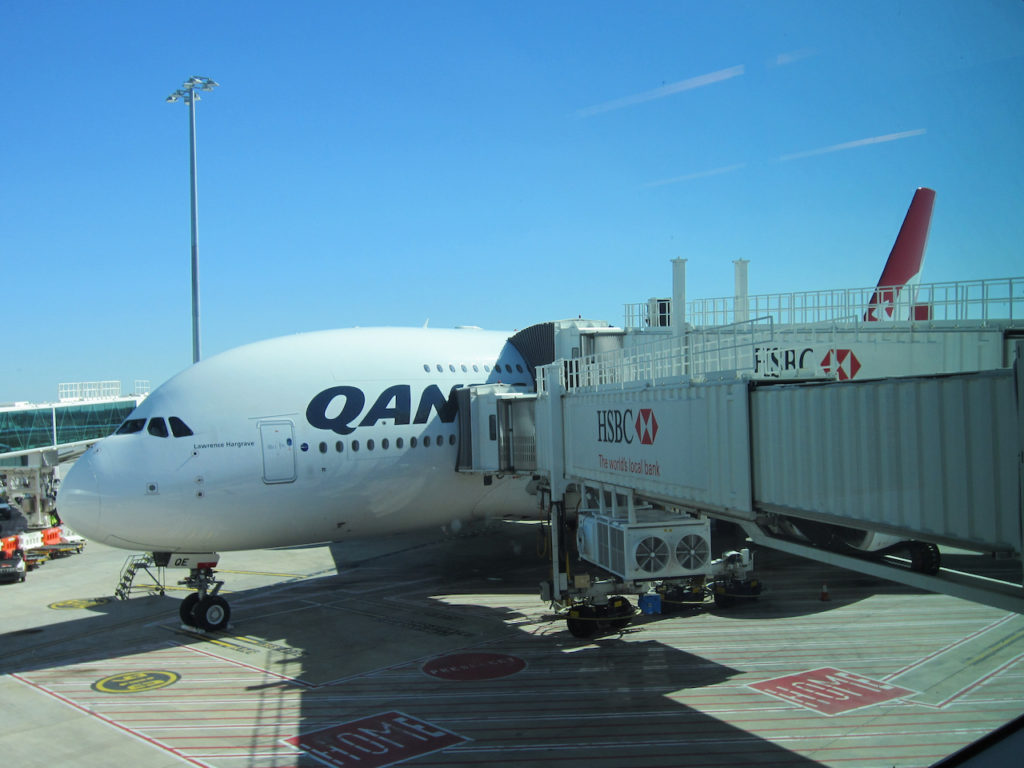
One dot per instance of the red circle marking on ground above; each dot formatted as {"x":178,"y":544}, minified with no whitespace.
{"x":474,"y":666}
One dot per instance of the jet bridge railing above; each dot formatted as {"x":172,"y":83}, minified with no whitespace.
{"x":761,"y":350}
{"x":698,"y":353}
{"x":966,"y":300}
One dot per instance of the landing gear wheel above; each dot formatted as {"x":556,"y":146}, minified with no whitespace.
{"x":187,"y":609}
{"x":924,"y":558}
{"x":582,"y":621}
{"x":212,"y":613}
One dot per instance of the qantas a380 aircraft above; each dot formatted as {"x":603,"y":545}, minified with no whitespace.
{"x":328,"y":436}
{"x":311,"y":438}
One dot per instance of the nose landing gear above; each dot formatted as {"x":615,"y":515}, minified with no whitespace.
{"x":210,"y":613}
{"x":205,"y":608}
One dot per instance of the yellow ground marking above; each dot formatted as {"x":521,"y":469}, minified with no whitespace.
{"x":136,"y":682}
{"x":82,"y":602}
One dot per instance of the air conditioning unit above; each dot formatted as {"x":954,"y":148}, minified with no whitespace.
{"x":665,"y":548}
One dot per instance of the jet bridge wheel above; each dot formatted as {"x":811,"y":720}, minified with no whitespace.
{"x":728,"y":592}
{"x":587,"y":620}
{"x":722,"y":597}
{"x":582,"y":621}
{"x":924,"y":557}
{"x":619,"y":612}
{"x":680,"y":597}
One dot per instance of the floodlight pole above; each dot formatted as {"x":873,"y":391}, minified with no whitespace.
{"x":188,"y":94}
{"x":195,"y":223}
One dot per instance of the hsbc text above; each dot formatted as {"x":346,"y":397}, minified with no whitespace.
{"x":615,"y":426}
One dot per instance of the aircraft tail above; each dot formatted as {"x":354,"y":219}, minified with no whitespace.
{"x":895,"y":293}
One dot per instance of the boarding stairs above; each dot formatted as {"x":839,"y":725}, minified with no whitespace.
{"x":140,"y":564}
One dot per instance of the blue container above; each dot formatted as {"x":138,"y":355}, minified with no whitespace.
{"x":650,"y":604}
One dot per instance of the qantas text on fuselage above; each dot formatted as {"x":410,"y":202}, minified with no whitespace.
{"x":395,"y":403}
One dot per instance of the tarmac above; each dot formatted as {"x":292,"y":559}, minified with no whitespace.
{"x":435,"y":651}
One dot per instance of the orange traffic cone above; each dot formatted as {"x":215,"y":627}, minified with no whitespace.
{"x":824,"y":593}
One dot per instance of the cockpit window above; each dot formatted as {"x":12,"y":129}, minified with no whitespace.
{"x":178,"y":427}
{"x":157,"y":427}
{"x":131,"y":426}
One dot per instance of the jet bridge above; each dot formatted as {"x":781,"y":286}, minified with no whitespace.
{"x":865,"y":445}
{"x":817,"y":468}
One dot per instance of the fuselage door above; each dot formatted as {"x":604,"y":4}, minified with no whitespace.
{"x":278,"y":441}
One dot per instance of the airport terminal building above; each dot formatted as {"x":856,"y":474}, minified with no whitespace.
{"x":85,"y":412}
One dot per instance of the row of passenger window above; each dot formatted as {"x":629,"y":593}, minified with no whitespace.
{"x":385,"y":444}
{"x":476,"y":368}
{"x":157,"y":427}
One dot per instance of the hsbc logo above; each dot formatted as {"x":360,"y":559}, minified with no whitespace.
{"x":621,"y":426}
{"x":646,"y":426}
{"x":843,"y":362}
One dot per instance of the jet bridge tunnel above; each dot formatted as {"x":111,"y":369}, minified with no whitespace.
{"x":818,"y":467}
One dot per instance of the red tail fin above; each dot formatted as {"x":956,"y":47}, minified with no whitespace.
{"x":903,"y":269}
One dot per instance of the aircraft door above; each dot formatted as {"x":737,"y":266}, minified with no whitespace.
{"x":277,"y":439}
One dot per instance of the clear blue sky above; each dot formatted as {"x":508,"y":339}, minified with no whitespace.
{"x":486,"y":163}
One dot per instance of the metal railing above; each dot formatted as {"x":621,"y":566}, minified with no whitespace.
{"x":88,"y":390}
{"x":999,"y":299}
{"x":697,"y":354}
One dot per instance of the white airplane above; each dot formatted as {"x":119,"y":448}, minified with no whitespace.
{"x":312,"y":438}
{"x":318,"y":437}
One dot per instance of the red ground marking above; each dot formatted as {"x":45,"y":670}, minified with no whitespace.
{"x":377,"y":741}
{"x":830,"y":691}
{"x":474,"y":666}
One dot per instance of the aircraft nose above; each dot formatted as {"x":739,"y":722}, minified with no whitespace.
{"x":78,"y":501}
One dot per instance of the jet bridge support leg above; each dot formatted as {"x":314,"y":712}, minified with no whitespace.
{"x":598,"y":603}
{"x":590,"y":608}
{"x":558,"y":587}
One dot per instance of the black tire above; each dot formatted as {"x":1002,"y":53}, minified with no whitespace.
{"x":620,"y":612}
{"x":676,"y":598}
{"x":582,"y":621}
{"x":924,"y":558}
{"x":212,"y":614}
{"x":723,"y":599}
{"x":187,"y":609}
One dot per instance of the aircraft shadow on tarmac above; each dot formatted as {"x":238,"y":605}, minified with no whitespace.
{"x":375,"y":638}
